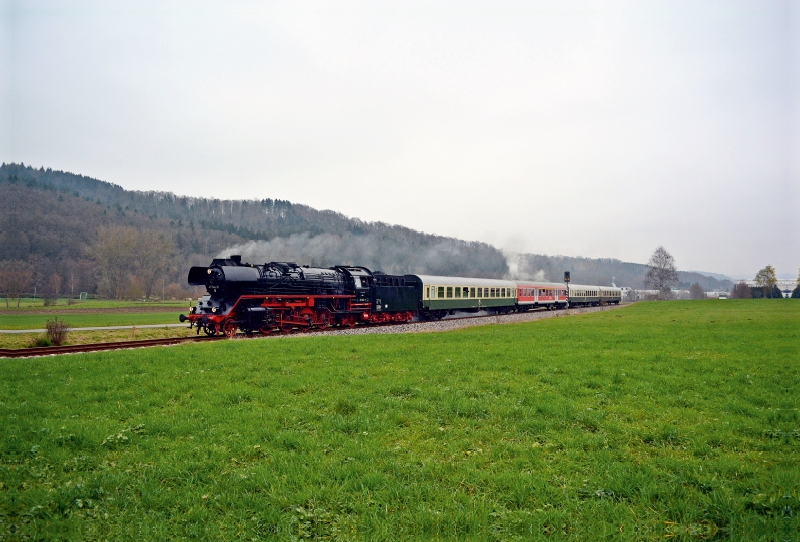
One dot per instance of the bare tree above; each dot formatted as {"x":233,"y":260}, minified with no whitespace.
{"x":153,"y":258}
{"x":741,"y":291}
{"x":661,"y":274}
{"x":130,"y":261}
{"x":766,"y":280}
{"x":55,"y":283}
{"x":696,"y":291}
{"x":13,"y":282}
{"x":114,"y":252}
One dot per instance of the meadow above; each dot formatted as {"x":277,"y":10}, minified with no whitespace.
{"x":668,"y":419}
{"x":62,"y":304}
{"x":37,"y":321}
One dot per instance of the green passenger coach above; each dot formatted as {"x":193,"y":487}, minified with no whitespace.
{"x":443,"y":295}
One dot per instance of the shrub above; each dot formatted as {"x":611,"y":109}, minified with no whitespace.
{"x":57,"y":331}
{"x":40,"y":341}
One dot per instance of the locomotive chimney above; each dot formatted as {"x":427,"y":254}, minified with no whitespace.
{"x":237,"y":258}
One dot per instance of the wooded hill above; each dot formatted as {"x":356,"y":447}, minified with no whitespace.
{"x":75,"y":233}
{"x":53,"y":222}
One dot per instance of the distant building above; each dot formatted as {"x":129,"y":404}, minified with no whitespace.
{"x":785,"y":286}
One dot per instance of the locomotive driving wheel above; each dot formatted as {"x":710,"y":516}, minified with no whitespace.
{"x":210,"y":330}
{"x":229,"y":328}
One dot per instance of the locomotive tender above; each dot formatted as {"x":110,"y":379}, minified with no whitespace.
{"x":285,"y":296}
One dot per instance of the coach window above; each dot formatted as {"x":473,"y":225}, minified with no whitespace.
{"x":449,"y":292}
{"x":458,"y":291}
{"x":472,"y":292}
{"x":440,"y":292}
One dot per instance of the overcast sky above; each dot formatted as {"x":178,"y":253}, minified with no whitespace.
{"x":598,"y":129}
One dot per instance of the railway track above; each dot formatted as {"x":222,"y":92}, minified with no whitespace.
{"x":97,"y":347}
{"x":428,"y":325}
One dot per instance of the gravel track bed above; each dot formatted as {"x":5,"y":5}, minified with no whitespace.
{"x":453,"y":322}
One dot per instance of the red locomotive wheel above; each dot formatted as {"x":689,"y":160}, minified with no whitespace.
{"x":229,"y":328}
{"x":265,"y":329}
{"x":323,"y":322}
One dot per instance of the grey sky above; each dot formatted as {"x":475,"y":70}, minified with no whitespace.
{"x":599,"y":129}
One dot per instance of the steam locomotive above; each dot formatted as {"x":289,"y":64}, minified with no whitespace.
{"x":285,"y":296}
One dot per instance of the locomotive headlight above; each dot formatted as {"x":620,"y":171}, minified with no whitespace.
{"x":208,"y":271}
{"x":213,"y":309}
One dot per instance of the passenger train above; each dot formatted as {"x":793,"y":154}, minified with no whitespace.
{"x":283,"y":296}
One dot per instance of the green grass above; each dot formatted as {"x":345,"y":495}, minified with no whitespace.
{"x":659,"y":419}
{"x":28,"y":304}
{"x":37,"y":321}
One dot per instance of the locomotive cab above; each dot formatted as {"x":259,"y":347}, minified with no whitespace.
{"x":360,"y":282}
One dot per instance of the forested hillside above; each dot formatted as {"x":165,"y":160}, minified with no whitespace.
{"x":67,"y":233}
{"x":78,"y":234}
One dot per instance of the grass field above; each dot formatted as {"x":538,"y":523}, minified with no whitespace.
{"x":37,"y":321}
{"x":671,"y":419}
{"x":29,"y":304}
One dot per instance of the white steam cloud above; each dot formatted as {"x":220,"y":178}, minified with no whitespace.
{"x":518,"y":268}
{"x":390,"y":255}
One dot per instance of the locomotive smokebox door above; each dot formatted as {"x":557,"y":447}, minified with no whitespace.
{"x":566,"y":276}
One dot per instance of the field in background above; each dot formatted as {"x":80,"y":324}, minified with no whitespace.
{"x":37,"y":321}
{"x":659,"y":419}
{"x":30,"y":304}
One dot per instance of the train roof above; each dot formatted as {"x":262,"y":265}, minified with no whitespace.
{"x":540,"y":284}
{"x":585,"y":286}
{"x":464,"y":281}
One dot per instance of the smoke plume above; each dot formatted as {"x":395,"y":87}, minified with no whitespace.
{"x":442,"y":256}
{"x":519,"y":268}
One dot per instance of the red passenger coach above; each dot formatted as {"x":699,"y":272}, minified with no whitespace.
{"x":531,"y":295}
